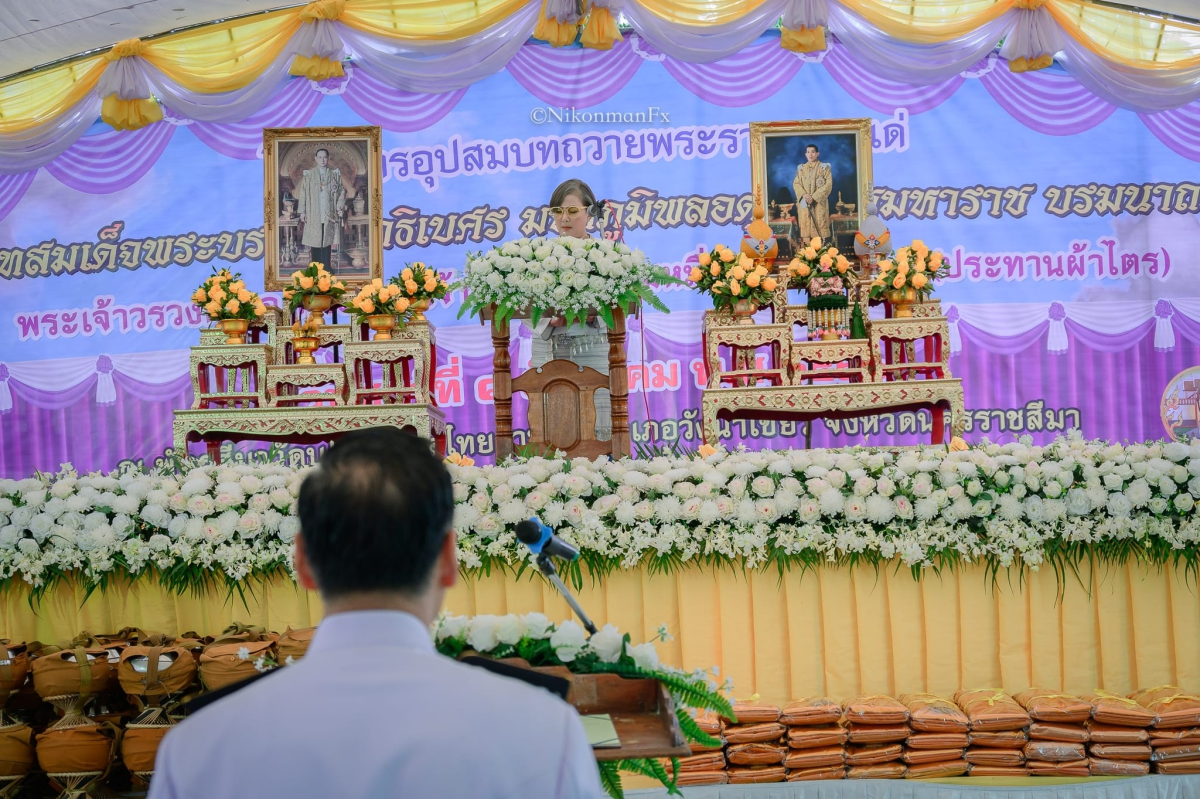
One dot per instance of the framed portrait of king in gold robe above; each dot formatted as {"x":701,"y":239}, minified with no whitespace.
{"x":814,"y":177}
{"x":322,"y":198}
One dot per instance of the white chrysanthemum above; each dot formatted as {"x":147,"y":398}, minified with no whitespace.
{"x":512,"y":511}
{"x":925,"y":508}
{"x":6,"y":505}
{"x":831,"y":501}
{"x":1056,"y":509}
{"x":28,"y":547}
{"x":668,"y":509}
{"x":1138,"y":492}
{"x":159,"y":543}
{"x":625,"y":513}
{"x":1176,"y":451}
{"x":1009,"y":507}
{"x":880,"y":509}
{"x":607,"y":644}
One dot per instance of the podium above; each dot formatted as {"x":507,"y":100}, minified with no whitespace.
{"x":618,"y":380}
{"x":642,"y":712}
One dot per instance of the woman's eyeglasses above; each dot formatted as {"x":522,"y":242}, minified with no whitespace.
{"x":568,"y":210}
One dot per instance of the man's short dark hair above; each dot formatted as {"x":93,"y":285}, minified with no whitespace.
{"x":375,"y":512}
{"x":321,"y":150}
{"x":812,"y":147}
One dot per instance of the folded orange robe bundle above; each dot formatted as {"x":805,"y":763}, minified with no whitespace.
{"x":877,"y":733}
{"x":1070,"y":768}
{"x":74,"y":749}
{"x":1183,"y":735}
{"x":990,"y":709}
{"x":997,"y":771}
{"x":1054,"y":751}
{"x":929,"y":713}
{"x":1046,"y":705}
{"x":709,"y":722}
{"x":754,"y":733}
{"x":1121,"y":751}
{"x":1051,"y":731}
{"x":1180,"y":767}
{"x":875,"y":709}
{"x":712,"y":761}
{"x":1119,"y":711}
{"x":1114,"y":734}
{"x":1010,"y":739}
{"x":938,"y":740}
{"x":139,"y":746}
{"x":756,"y":754}
{"x":873,"y":754}
{"x":882,"y":771}
{"x":1167,"y":754}
{"x":814,"y":737}
{"x":815,"y":758}
{"x":702,"y":778}
{"x":1006,"y":758}
{"x":810,"y":711}
{"x":16,"y":750}
{"x":916,"y":757}
{"x":823,"y":773}
{"x":1172,"y":707}
{"x":751,"y":774}
{"x":753,"y":713}
{"x":1117,"y":768}
{"x":699,"y":748}
{"x":946,"y":768}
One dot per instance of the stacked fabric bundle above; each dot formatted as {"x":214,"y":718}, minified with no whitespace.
{"x":997,"y":734}
{"x":1057,"y":735}
{"x":706,"y":766}
{"x":1175,"y":739}
{"x":816,"y":741}
{"x":755,"y":749}
{"x":1119,"y":737}
{"x":876,"y":727}
{"x":939,"y":737}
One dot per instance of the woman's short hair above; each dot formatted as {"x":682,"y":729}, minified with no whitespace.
{"x":573,"y":186}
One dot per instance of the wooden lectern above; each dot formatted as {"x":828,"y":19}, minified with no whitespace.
{"x":642,"y":712}
{"x":502,"y":387}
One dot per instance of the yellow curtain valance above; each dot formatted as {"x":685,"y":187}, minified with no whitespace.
{"x":231,"y":55}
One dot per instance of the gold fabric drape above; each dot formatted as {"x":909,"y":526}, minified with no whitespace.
{"x":833,"y":631}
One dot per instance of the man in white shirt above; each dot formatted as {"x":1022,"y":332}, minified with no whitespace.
{"x":372,"y":710}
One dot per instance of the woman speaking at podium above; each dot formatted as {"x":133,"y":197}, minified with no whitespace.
{"x":572,"y":205}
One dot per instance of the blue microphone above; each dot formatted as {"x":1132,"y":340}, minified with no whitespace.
{"x":541,"y":540}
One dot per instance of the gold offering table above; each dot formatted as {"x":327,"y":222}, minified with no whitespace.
{"x":258,"y":391}
{"x":902,"y":364}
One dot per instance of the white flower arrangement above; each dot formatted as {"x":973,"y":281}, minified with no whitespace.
{"x":1003,"y":505}
{"x":567,"y":274}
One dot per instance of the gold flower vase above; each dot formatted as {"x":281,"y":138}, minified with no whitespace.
{"x":234,"y":330}
{"x":317,"y":305}
{"x":902,"y":301}
{"x":383,"y":325}
{"x":418,"y":308}
{"x":304,"y":346}
{"x":744,"y":310}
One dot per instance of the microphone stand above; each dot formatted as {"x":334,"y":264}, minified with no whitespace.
{"x":546,"y":566}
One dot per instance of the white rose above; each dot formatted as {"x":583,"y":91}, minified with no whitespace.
{"x":645,"y":656}
{"x":9,"y":535}
{"x":513,"y":511}
{"x":451,"y":627}
{"x":202,"y":505}
{"x":568,"y":641}
{"x":481,"y":633}
{"x":536,"y":626}
{"x":288,"y":528}
{"x":763,"y":486}
{"x":40,"y":526}
{"x":509,"y":630}
{"x":607,"y":644}
{"x":1183,"y":502}
{"x":1158,"y":505}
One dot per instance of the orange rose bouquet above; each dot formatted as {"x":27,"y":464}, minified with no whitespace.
{"x":313,"y":281}
{"x":379,"y":299}
{"x":909,"y":274}
{"x":820,"y":262}
{"x":420,"y":283}
{"x":730,"y":277}
{"x":225,"y":296}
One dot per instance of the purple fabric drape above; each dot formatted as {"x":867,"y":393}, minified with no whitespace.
{"x":1103,"y":342}
{"x":109,"y":162}
{"x":574,"y":77}
{"x":884,"y":95}
{"x":745,"y":78}
{"x":1178,"y":129}
{"x":12,"y":189}
{"x":1001,"y":345}
{"x":291,"y":108}
{"x":394,"y":109}
{"x":1047,"y":102}
{"x":46,"y":429}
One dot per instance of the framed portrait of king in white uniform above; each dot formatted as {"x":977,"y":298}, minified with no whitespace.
{"x":815,"y":179}
{"x":322,"y":198}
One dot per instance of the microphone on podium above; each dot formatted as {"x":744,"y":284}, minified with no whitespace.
{"x":541,"y":540}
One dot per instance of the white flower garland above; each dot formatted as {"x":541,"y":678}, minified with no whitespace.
{"x":1000,"y":504}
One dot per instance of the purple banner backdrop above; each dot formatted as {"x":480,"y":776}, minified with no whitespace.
{"x":1071,"y":227}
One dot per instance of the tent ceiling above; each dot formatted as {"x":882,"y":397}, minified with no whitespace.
{"x":37,"y":32}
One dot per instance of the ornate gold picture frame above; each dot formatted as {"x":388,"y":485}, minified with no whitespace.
{"x":323,"y":209}
{"x":833,"y":190}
